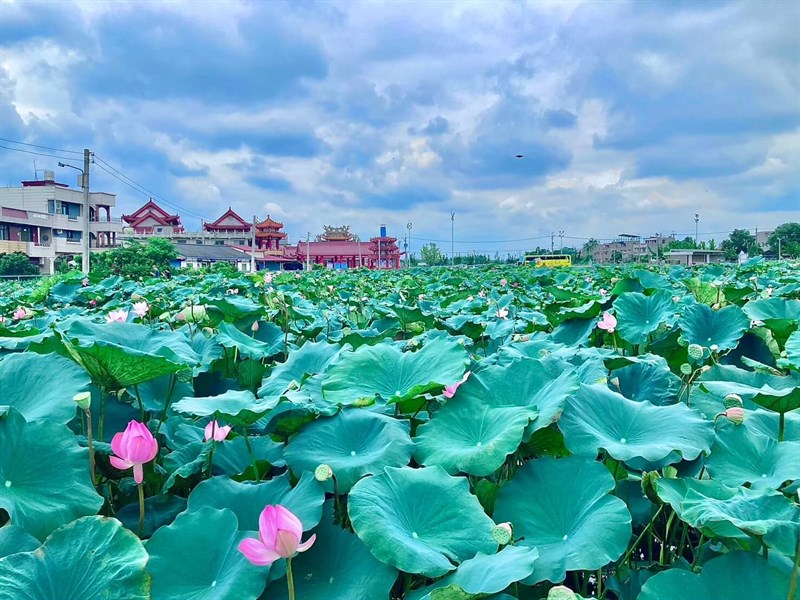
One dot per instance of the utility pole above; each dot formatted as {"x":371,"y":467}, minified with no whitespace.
{"x":85,"y":185}
{"x":308,"y":251}
{"x":253,"y":247}
{"x":779,"y":248}
{"x":552,"y":240}
{"x":696,"y":227}
{"x":561,"y":237}
{"x":452,"y":237}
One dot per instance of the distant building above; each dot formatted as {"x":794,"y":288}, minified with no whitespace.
{"x":694,"y":257}
{"x":152,"y":219}
{"x":197,"y":257}
{"x":337,"y":248}
{"x":629,"y":247}
{"x":762,"y":238}
{"x":44,"y":219}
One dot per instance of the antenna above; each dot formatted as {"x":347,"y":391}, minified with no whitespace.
{"x":36,"y":171}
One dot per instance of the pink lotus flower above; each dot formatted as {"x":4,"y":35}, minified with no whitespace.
{"x":297,"y":275}
{"x":502,"y":313}
{"x":330,"y":289}
{"x":85,"y":282}
{"x":450,"y":390}
{"x":279,"y":533}
{"x":608,"y":322}
{"x":603,"y":292}
{"x":214,"y":431}
{"x":482,"y":294}
{"x":503,"y":282}
{"x":268,"y":278}
{"x":19,"y":314}
{"x":133,"y":448}
{"x":735,"y":415}
{"x":117,"y":316}
{"x":141,"y":308}
{"x":2,"y":320}
{"x":421,"y":297}
{"x":588,"y":280}
{"x":180,"y":317}
{"x":92,"y":302}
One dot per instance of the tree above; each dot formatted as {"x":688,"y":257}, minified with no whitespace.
{"x":431,"y":255}
{"x":739,"y":240}
{"x":789,"y":244}
{"x":135,"y":260}
{"x":17,"y":263}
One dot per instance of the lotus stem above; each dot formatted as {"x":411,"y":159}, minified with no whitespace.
{"x":88,"y":412}
{"x":141,"y":508}
{"x":336,"y":507}
{"x":252,"y":455}
{"x":290,"y":578}
{"x":665,"y":540}
{"x":171,"y":390}
{"x":100,"y":420}
{"x":139,"y":401}
{"x":781,"y":425}
{"x":641,"y":535}
{"x":793,"y":583}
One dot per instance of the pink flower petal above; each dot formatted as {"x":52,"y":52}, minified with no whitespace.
{"x":257,"y":553}
{"x":119,"y":463}
{"x":117,"y":444}
{"x":307,"y":544}
{"x":286,"y":543}
{"x":289,"y":522}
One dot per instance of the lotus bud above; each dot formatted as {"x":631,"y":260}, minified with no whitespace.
{"x":705,"y":368}
{"x":135,"y":296}
{"x":735,"y":415}
{"x":503,"y":533}
{"x":561,"y":592}
{"x":715,"y":306}
{"x":670,"y":472}
{"x":254,"y":326}
{"x":649,"y":486}
{"x":83,"y":400}
{"x":614,"y":381}
{"x":686,"y":368}
{"x":733,"y":400}
{"x":323,"y":473}
{"x":676,"y":298}
{"x":695,"y":351}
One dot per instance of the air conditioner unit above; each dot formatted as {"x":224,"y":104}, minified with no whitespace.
{"x":59,"y":231}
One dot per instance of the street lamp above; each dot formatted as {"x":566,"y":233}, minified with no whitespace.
{"x":85,"y":246}
{"x":409,"y":225}
{"x":696,"y":226}
{"x":452,"y":238}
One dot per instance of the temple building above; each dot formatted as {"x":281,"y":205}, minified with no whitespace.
{"x":229,"y":222}
{"x":151,"y":218}
{"x":338,"y":248}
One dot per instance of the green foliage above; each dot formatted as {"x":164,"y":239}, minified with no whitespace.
{"x":785,"y":238}
{"x":432,"y":256}
{"x":135,"y":260}
{"x":17,"y":263}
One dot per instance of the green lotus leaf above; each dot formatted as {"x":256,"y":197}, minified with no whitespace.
{"x":738,"y":513}
{"x":778,"y":393}
{"x":155,"y":392}
{"x":394,"y":375}
{"x":732,"y":576}
{"x":648,"y":382}
{"x":15,"y":539}
{"x":562,"y":507}
{"x":706,"y":327}
{"x":207,"y":348}
{"x":741,"y":455}
{"x":353,"y":443}
{"x":196,"y":558}
{"x":793,"y":350}
{"x":232,"y":457}
{"x":92,"y":558}
{"x":236,"y":406}
{"x":159,"y":511}
{"x":488,"y":417}
{"x":120,"y":355}
{"x":779,"y":315}
{"x":44,"y":475}
{"x":268,"y":341}
{"x":419,"y":520}
{"x":598,"y":418}
{"x":310,"y":359}
{"x":338,"y":565}
{"x":485,"y":574}
{"x":638,"y":315}
{"x":27,"y":384}
{"x":574,"y":332}
{"x":188,"y":460}
{"x":247,"y":500}
{"x":235,"y":307}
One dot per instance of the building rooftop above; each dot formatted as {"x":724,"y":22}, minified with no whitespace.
{"x":207,"y":252}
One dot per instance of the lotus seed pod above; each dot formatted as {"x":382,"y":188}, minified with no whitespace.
{"x":686,"y":368}
{"x":733,"y":401}
{"x":715,"y":306}
{"x":713,"y":347}
{"x":705,"y":368}
{"x":648,"y":486}
{"x":561,"y":592}
{"x":503,"y":533}
{"x":323,"y":473}
{"x":135,"y":297}
{"x":670,"y":472}
{"x":695,"y":351}
{"x":83,"y":400}
{"x":735,"y":415}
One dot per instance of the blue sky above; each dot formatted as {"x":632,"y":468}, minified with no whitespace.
{"x":631,"y":116}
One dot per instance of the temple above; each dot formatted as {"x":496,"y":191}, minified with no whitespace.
{"x":151,"y":218}
{"x":334,"y":248}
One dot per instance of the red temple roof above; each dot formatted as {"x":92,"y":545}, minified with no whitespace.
{"x":268,"y":223}
{"x":234,"y":223}
{"x":153,"y":210}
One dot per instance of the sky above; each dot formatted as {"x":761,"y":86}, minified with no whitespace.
{"x":631,"y":116}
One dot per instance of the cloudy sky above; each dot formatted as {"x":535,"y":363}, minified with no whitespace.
{"x":631,"y":116}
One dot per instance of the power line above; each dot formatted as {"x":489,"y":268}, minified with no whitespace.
{"x":36,"y":153}
{"x":38,"y":146}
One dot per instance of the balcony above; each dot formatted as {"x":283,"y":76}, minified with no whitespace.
{"x":8,"y":247}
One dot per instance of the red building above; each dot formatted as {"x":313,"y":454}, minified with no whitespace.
{"x":338,"y":248}
{"x":229,"y":222}
{"x":151,"y":218}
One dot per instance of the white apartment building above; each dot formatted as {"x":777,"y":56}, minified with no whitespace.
{"x":44,"y":219}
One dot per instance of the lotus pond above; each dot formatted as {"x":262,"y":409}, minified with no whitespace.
{"x":501,"y":433}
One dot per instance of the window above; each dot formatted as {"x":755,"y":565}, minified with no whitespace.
{"x":199,"y":242}
{"x":181,"y":241}
{"x":219,"y":242}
